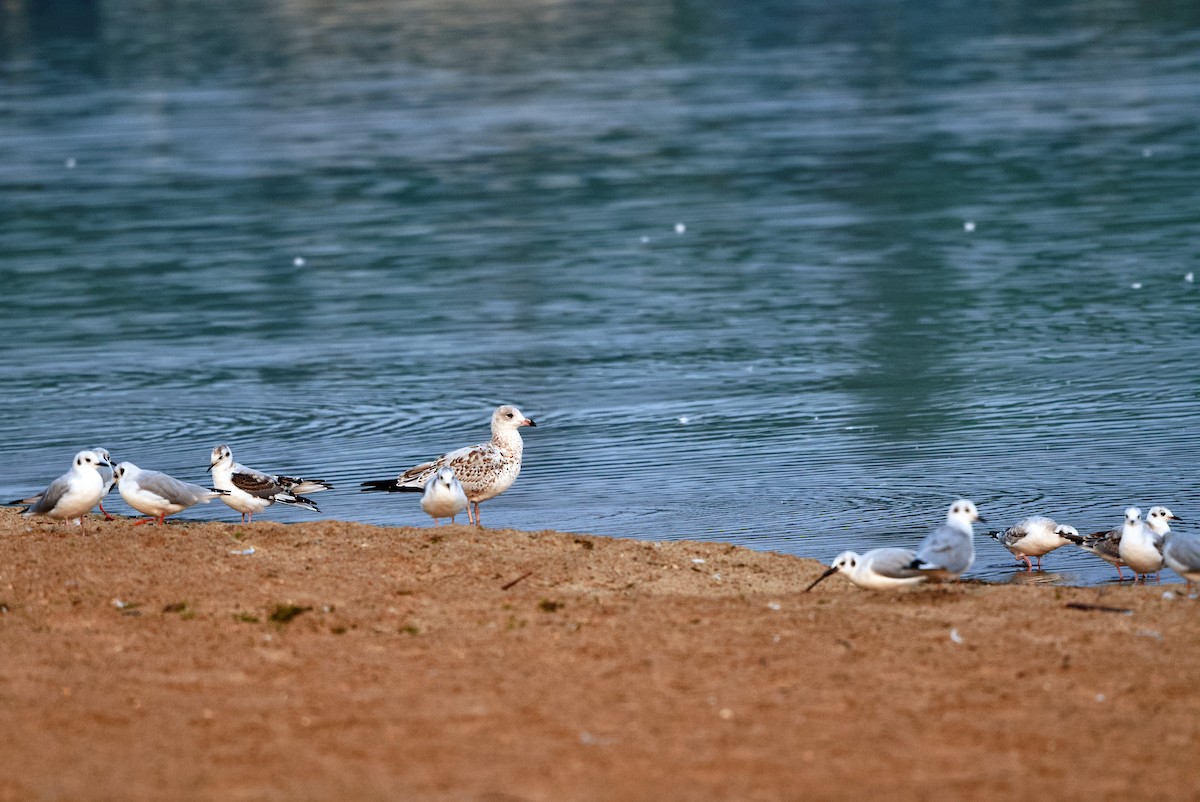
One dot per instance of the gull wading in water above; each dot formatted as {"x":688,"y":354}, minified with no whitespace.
{"x":1105,"y":545}
{"x":444,"y":496}
{"x":157,"y":494}
{"x":251,"y":491}
{"x":948,"y":551}
{"x":1034,"y":537}
{"x":72,"y":495}
{"x":878,"y":569}
{"x":485,"y":470}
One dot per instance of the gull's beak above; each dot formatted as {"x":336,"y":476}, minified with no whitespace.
{"x":1175,"y":517}
{"x":528,"y":422}
{"x":829,"y":572}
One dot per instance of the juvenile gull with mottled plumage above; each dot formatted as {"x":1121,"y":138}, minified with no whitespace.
{"x":485,"y":470}
{"x":252,"y":491}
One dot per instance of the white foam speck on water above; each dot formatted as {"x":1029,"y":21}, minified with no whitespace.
{"x":680,"y":228}
{"x":969,"y":226}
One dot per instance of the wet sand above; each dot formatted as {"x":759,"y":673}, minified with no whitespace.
{"x":345,"y":661}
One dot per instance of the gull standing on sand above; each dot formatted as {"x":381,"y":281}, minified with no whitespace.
{"x":157,"y":494}
{"x":948,"y":551}
{"x":72,"y":495}
{"x":106,"y":473}
{"x":1140,"y":548}
{"x":878,"y":569}
{"x":444,"y":496}
{"x":252,"y":491}
{"x":1034,"y":537}
{"x":485,"y":470}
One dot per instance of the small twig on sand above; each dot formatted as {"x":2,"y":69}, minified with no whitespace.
{"x":1099,"y":608}
{"x":515,"y":581}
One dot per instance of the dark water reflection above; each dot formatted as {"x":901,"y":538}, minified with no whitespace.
{"x":922,"y":252}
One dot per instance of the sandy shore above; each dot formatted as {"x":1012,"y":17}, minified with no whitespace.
{"x":345,"y":661}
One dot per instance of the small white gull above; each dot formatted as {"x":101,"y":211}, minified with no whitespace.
{"x":72,"y":495}
{"x":444,"y":496}
{"x":878,"y":569}
{"x":948,"y":551}
{"x":1141,"y":546}
{"x":1034,"y":537}
{"x":252,"y":491}
{"x":485,"y":470}
{"x":157,"y":494}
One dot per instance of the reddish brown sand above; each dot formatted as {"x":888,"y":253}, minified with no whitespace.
{"x":464,"y":664}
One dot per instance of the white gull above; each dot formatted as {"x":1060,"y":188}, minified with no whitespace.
{"x":1034,"y":537}
{"x":157,"y":494}
{"x":948,"y":551}
{"x":72,"y":495}
{"x":444,"y":496}
{"x":878,"y":569}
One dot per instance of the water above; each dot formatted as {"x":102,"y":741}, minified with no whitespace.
{"x":791,"y":277}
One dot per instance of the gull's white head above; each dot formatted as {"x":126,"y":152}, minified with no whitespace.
{"x":509,"y":418}
{"x":1158,"y":519}
{"x":87,"y":460}
{"x":122,"y":469}
{"x":1062,"y":530}
{"x":446,"y":476}
{"x":962,"y":514}
{"x":847,"y":561}
{"x":221,"y":455}
{"x":1133,"y":517}
{"x":103,"y":454}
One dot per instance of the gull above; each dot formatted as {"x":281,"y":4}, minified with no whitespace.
{"x":949,"y":550}
{"x":1181,"y":553}
{"x":444,"y":496}
{"x":1105,"y":545}
{"x":1034,"y":537}
{"x":878,"y":569}
{"x":1141,"y":547}
{"x":485,"y":470}
{"x":106,"y":473}
{"x":251,"y":491}
{"x":157,"y":494}
{"x":72,"y":495}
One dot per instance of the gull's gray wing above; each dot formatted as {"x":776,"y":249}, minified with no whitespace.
{"x":173,"y":490}
{"x":946,"y":547}
{"x":1182,"y":551}
{"x":893,"y":563}
{"x":50,"y":496}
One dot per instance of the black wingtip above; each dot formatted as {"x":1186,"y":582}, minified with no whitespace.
{"x":387,"y":486}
